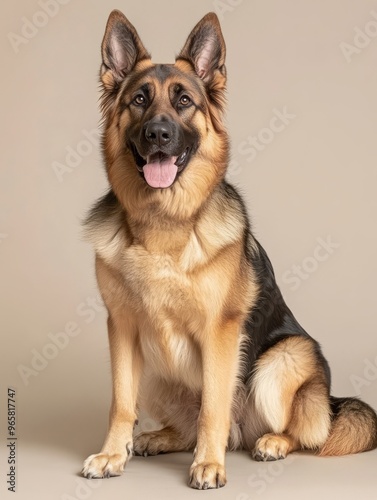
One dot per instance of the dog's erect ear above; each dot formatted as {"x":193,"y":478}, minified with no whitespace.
{"x":205,"y":48}
{"x":121,"y":50}
{"x":205,"y":51}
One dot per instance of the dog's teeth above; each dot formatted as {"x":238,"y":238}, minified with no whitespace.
{"x":181,"y":158}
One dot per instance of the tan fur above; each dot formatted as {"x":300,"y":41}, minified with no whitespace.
{"x":178,"y":285}
{"x":275,"y":446}
{"x":126,"y":364}
{"x":351,"y":430}
{"x":279,"y":373}
{"x":185,"y":297}
{"x":161,"y":441}
{"x":311,"y":399}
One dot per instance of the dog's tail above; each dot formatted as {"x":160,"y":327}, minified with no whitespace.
{"x":353,"y":428}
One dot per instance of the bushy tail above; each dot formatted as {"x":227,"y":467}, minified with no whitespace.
{"x":353,"y":429}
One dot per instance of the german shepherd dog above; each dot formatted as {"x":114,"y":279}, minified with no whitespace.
{"x":200,"y":336}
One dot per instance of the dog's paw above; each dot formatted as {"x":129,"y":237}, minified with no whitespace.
{"x":149,"y":443}
{"x":103,"y":465}
{"x":271,"y":447}
{"x":152,"y":443}
{"x":207,"y":475}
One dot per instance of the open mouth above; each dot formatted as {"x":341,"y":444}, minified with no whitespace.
{"x":159,"y":169}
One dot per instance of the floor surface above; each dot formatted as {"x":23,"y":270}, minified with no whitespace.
{"x":45,"y":472}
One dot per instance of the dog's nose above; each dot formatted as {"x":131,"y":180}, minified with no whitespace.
{"x":159,"y":133}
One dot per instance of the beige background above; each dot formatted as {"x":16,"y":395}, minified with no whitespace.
{"x":316,"y":178}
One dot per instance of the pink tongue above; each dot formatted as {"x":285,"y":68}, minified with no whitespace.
{"x":161,"y":173}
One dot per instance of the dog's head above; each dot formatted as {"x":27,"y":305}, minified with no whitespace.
{"x":163,"y":122}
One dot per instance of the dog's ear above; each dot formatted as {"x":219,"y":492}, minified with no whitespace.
{"x":205,"y":48}
{"x":121,"y":50}
{"x":205,"y":51}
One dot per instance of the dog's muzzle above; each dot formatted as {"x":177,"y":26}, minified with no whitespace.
{"x":162,"y":153}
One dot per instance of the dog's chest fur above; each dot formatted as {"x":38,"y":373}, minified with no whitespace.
{"x":176,"y":283}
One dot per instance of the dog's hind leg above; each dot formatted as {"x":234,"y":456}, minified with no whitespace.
{"x":174,"y":406}
{"x":290,"y":397}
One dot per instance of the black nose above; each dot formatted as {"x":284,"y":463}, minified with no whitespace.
{"x":159,"y":133}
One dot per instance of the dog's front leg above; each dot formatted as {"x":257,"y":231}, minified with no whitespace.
{"x":126,"y":366}
{"x":220,"y":360}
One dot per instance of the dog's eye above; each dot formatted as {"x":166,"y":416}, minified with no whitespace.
{"x":185,"y":100}
{"x":139,"y":100}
